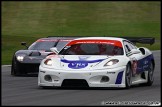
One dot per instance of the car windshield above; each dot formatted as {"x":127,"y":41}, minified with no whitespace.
{"x":45,"y":45}
{"x":61,"y":44}
{"x":92,"y":49}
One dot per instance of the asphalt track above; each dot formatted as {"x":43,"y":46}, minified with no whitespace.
{"x":24,"y":91}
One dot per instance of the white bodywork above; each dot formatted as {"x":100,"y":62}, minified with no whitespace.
{"x":92,"y":69}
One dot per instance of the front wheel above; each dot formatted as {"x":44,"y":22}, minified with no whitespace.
{"x":16,"y":68}
{"x":128,"y":77}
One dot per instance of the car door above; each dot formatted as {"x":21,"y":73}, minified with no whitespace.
{"x":135,"y":56}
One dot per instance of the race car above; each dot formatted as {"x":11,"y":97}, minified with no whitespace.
{"x":98,"y":62}
{"x":27,"y":61}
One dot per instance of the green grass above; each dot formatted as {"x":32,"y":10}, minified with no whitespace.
{"x":28,"y":21}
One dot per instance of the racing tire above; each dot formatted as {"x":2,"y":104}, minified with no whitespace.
{"x":150,"y":79}
{"x":15,"y":69}
{"x":128,"y":77}
{"x":46,"y":87}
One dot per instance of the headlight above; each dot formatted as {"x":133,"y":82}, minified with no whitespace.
{"x":48,"y":62}
{"x":20,"y":58}
{"x":111,"y":62}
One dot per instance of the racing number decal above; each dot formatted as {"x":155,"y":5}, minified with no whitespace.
{"x":134,"y":66}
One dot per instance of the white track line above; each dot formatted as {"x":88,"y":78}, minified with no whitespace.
{"x":6,"y":65}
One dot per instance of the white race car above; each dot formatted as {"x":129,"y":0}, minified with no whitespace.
{"x":98,"y":62}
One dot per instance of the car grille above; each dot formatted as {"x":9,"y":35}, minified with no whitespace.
{"x":30,"y":68}
{"x":75,"y":83}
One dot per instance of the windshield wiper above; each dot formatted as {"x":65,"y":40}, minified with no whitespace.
{"x":56,"y":42}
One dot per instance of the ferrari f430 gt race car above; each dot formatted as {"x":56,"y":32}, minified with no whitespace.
{"x":98,"y":62}
{"x":28,"y":60}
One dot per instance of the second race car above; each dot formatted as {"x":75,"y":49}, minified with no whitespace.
{"x":28,"y":60}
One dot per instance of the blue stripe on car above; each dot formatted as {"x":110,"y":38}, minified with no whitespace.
{"x":119,"y":78}
{"x":72,"y":61}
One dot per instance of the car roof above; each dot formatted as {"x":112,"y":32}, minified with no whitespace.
{"x":54,"y":38}
{"x":101,"y":38}
{"x":83,"y":38}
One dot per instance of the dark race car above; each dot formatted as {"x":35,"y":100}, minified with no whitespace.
{"x":27,"y":61}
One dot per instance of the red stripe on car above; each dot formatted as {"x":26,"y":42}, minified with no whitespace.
{"x":113,"y":42}
{"x":52,"y":40}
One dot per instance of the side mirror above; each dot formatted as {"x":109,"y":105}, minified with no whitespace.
{"x":134,"y":51}
{"x":54,"y":49}
{"x":24,"y":44}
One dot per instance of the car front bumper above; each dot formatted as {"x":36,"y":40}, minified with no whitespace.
{"x":94,"y":78}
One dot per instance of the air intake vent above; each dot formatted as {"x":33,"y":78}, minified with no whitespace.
{"x":35,"y":54}
{"x":75,"y":83}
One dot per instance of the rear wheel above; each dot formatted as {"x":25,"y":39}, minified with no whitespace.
{"x":128,"y":77}
{"x":150,"y":79}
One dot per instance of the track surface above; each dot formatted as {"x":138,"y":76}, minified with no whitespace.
{"x":24,"y":91}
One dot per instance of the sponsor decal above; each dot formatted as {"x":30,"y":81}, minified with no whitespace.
{"x":78,"y":64}
{"x":83,"y":57}
{"x":143,"y":64}
{"x":112,"y":42}
{"x":134,"y":65}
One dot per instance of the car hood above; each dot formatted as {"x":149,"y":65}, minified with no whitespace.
{"x":32,"y":52}
{"x":78,"y":62}
{"x":32,"y":56}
